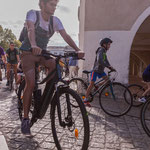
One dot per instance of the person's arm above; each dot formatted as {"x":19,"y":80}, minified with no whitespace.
{"x":68,"y":40}
{"x":4,"y":58}
{"x":31,"y":35}
{"x":104,"y":61}
{"x":18,"y":59}
{"x":71,"y":43}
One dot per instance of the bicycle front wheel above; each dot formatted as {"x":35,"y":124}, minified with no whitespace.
{"x":75,"y":133}
{"x":115,"y":99}
{"x":145,"y":117}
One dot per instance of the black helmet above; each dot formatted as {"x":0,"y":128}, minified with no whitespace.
{"x":105,"y":41}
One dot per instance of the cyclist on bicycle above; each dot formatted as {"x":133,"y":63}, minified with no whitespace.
{"x":2,"y":58}
{"x":146,"y":78}
{"x":12,"y":55}
{"x":41,"y":25}
{"x":100,"y":63}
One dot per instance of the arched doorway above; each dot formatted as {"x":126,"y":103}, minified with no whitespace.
{"x":140,"y":52}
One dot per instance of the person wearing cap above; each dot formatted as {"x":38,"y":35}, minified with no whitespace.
{"x":101,"y":62}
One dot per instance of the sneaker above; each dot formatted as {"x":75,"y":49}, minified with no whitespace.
{"x":86,"y":103}
{"x":7,"y":84}
{"x":25,"y":127}
{"x":142,"y":100}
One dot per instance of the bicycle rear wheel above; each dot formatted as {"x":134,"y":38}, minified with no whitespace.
{"x":115,"y":99}
{"x":145,"y":117}
{"x":79,"y":86}
{"x":75,"y":133}
{"x":136,"y":91}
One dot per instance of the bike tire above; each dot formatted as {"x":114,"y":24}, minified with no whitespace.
{"x":11,"y":80}
{"x":136,"y":91}
{"x":55,"y":122}
{"x":113,"y":101}
{"x":20,"y":100}
{"x":145,"y":117}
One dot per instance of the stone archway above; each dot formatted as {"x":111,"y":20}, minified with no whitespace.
{"x":140,"y":52}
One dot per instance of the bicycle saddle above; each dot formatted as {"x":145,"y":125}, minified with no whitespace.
{"x":86,"y":71}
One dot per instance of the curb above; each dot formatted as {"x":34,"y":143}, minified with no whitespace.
{"x":3,"y":143}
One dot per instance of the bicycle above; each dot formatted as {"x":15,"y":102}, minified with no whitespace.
{"x":64,"y":116}
{"x":145,"y":116}
{"x":115,"y":99}
{"x":136,"y":91}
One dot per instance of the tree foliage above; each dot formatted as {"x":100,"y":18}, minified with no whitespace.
{"x":6,"y":36}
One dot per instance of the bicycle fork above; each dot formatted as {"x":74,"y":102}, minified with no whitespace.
{"x":68,"y":118}
{"x":112,"y":92}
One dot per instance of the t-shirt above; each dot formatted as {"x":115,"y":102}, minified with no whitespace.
{"x":12,"y":56}
{"x":1,"y":51}
{"x":57,"y":24}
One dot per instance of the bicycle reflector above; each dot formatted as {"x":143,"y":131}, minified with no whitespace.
{"x":106,"y":94}
{"x":83,"y":97}
{"x":76,"y":133}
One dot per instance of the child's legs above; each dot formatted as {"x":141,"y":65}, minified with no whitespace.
{"x":89,"y":89}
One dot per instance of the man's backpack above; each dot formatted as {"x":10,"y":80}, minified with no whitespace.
{"x":24,"y":30}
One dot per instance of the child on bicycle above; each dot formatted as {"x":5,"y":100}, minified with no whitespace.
{"x":100,"y":63}
{"x":146,"y":78}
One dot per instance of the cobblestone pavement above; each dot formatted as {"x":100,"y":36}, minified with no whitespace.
{"x":106,"y":132}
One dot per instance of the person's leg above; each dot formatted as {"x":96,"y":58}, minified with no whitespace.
{"x":49,"y":64}
{"x":89,"y":89}
{"x":28,"y":66}
{"x":27,"y":95}
{"x":8,"y":73}
{"x":147,"y":90}
{"x":18,"y":79}
{"x":93,"y":79}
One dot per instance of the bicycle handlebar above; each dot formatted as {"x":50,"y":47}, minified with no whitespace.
{"x":66,"y":54}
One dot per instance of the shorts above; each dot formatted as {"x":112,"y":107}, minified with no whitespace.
{"x":28,"y":61}
{"x":94,"y":75}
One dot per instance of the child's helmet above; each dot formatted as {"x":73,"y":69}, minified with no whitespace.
{"x":105,"y":41}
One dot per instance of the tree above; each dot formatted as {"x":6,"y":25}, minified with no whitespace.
{"x":6,"y":36}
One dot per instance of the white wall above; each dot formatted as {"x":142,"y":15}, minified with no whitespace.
{"x":118,"y":55}
{"x":119,"y":52}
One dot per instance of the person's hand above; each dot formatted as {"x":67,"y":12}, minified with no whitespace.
{"x":36,"y":50}
{"x":112,"y":69}
{"x":80,"y":54}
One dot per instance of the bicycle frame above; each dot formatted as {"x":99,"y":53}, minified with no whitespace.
{"x":50,"y":95}
{"x":107,"y":81}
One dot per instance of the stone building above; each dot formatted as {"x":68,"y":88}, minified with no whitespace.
{"x":127,"y":23}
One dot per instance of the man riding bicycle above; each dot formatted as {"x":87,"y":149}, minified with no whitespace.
{"x":12,"y":55}
{"x":101,"y":62}
{"x":2,"y":58}
{"x":41,"y":26}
